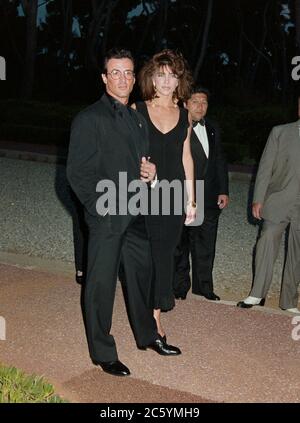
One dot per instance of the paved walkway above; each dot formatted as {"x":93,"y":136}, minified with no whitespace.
{"x":229,"y":354}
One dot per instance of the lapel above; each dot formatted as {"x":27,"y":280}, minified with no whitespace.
{"x":211,"y":140}
{"x":125,"y":131}
{"x":198,"y":151}
{"x":107,"y":104}
{"x":138,"y":127}
{"x":197,"y":148}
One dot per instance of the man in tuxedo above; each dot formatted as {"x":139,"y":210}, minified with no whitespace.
{"x":107,"y":138}
{"x":276,"y":200}
{"x":80,"y":237}
{"x":210,"y":166}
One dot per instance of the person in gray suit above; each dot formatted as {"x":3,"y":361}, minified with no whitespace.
{"x":277,"y":201}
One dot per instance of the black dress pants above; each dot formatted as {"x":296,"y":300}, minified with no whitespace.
{"x":201,"y":242}
{"x":80,"y":234}
{"x":105,"y":252}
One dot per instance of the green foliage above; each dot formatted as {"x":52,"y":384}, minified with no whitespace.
{"x":250,"y":43}
{"x":35,"y":113}
{"x":16,"y":387}
{"x":37,"y":122}
{"x":245,"y":130}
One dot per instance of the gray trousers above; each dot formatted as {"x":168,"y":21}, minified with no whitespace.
{"x":266,"y":254}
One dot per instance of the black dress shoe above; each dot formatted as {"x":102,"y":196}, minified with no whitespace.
{"x":241,"y":304}
{"x":115,"y":368}
{"x":162,"y":348}
{"x":212,"y":296}
{"x":180,"y":296}
{"x":79,"y":279}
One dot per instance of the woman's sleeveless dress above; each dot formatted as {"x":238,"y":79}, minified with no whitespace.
{"x":165,"y":230}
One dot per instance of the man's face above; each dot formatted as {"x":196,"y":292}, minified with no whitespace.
{"x":120,"y":87}
{"x":197,"y":106}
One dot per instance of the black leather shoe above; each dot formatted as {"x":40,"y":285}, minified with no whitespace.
{"x":162,"y":348}
{"x":241,"y":304}
{"x":180,"y":296}
{"x":115,"y":368}
{"x":212,"y":296}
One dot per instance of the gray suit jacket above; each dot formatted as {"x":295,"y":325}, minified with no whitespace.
{"x":278,"y":178}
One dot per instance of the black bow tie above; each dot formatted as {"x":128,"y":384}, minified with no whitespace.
{"x":201,"y":121}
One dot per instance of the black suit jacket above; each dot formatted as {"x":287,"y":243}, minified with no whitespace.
{"x":213,"y":170}
{"x":103,"y":144}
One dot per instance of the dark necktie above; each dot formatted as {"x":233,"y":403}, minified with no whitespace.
{"x":119,"y":108}
{"x":129,"y":119}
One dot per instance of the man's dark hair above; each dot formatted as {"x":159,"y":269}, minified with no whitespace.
{"x":116,"y":53}
{"x":198,"y":89}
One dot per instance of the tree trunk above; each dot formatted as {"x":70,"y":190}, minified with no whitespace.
{"x":150,"y":18}
{"x":102,"y":11}
{"x":198,"y":39}
{"x":204,"y":39}
{"x":261,"y":47}
{"x":240,"y":44}
{"x":285,"y":76}
{"x":145,"y":34}
{"x":11,"y":36}
{"x":111,"y":6}
{"x":97,"y":21}
{"x":162,"y":23}
{"x":30,"y":11}
{"x":258,"y":52}
{"x":67,"y":15}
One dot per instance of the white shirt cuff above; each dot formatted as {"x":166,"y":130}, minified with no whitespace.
{"x":154,"y":182}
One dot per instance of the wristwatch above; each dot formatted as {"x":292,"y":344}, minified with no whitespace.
{"x":192,"y":203}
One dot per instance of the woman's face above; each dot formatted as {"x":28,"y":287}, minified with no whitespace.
{"x":165,"y":81}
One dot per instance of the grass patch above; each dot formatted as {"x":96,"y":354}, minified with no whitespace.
{"x":16,"y":387}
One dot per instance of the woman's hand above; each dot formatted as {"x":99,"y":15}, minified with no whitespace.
{"x":191,"y":209}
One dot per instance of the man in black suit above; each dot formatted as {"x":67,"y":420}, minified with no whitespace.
{"x":210,"y":166}
{"x":108,"y":138}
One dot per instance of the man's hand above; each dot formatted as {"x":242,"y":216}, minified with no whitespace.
{"x":223,"y":201}
{"x":256,"y":210}
{"x":147,"y":170}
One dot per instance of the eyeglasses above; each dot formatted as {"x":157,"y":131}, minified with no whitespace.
{"x":116,"y":74}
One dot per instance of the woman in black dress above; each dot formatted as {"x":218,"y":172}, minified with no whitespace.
{"x":164,"y":81}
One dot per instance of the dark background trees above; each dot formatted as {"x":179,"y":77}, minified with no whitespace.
{"x":235,"y":46}
{"x":242,"y":50}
